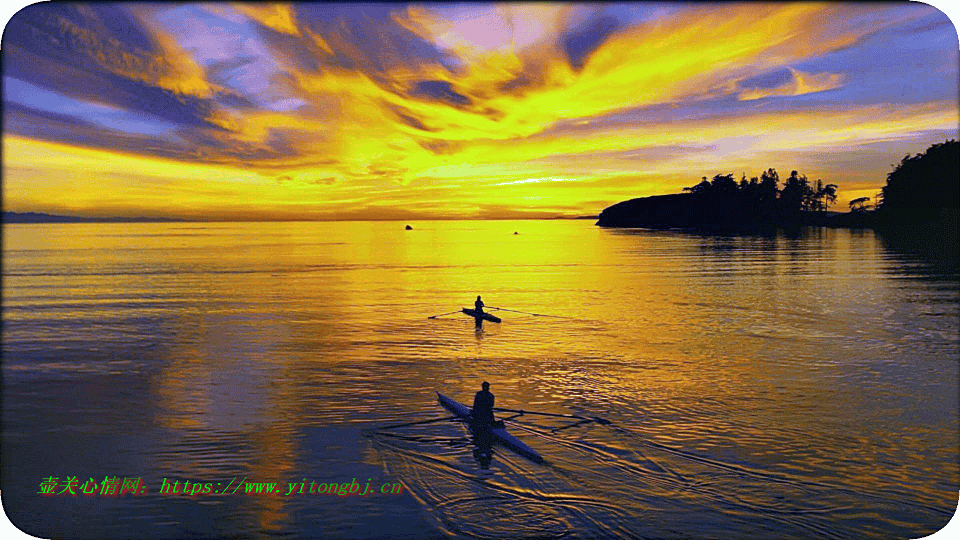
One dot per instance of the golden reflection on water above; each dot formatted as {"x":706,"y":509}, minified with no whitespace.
{"x":266,"y":347}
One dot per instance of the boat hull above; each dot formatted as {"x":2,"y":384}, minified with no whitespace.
{"x":499,"y":434}
{"x":481,"y":315}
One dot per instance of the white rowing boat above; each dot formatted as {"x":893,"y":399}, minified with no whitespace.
{"x":499,"y":433}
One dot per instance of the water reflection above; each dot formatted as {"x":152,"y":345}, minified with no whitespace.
{"x":935,"y":252}
{"x":772,"y":384}
{"x":483,"y":451}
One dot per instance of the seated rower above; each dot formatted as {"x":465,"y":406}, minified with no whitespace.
{"x":483,"y":407}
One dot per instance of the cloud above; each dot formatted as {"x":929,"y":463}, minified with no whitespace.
{"x":278,"y":17}
{"x":440,"y":91}
{"x":87,"y":36}
{"x":581,"y":42}
{"x":797,"y":84}
{"x":405,"y":97}
{"x":37,"y":100}
{"x":538,"y":180}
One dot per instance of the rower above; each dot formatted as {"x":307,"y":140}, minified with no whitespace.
{"x":478,"y":305}
{"x":483,"y":405}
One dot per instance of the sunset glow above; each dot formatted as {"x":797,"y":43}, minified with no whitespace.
{"x":382,"y":111}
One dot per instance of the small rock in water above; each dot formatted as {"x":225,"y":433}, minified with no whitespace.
{"x":515,"y":232}
{"x":409,"y":228}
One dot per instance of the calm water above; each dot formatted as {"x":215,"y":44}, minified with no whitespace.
{"x":755,"y":386}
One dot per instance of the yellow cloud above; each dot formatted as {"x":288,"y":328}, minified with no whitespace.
{"x":278,"y":17}
{"x":177,"y":70}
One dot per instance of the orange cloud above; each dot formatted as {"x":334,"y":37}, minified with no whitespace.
{"x":800,"y":83}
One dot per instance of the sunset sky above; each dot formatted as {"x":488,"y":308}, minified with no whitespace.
{"x":389,"y":111}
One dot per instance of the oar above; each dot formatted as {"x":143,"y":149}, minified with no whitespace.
{"x":528,"y":313}
{"x":442,"y":314}
{"x":596,"y":419}
{"x":575,"y":424}
{"x":419,"y":423}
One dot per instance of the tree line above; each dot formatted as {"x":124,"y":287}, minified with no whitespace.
{"x":767,"y":198}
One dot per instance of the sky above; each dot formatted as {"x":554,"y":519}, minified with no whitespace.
{"x":229,"y":111}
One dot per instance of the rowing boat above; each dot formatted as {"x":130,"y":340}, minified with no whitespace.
{"x":480,"y":315}
{"x":499,"y":433}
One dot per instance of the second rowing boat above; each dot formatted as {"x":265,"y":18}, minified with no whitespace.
{"x":499,"y":433}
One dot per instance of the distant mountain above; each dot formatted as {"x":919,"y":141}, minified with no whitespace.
{"x":36,"y":217}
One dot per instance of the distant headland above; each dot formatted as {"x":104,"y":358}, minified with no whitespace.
{"x":922,"y":191}
{"x":725,"y":203}
{"x":38,"y":217}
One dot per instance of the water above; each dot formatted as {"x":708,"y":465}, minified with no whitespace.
{"x":756,"y":386}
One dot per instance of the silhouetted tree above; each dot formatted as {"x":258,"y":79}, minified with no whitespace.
{"x":766,"y":194}
{"x":770,"y":181}
{"x":920,"y":204}
{"x":925,"y":181}
{"x":702,"y":188}
{"x":796,"y":195}
{"x":724,"y":184}
{"x":824,"y":196}
{"x":860,"y":205}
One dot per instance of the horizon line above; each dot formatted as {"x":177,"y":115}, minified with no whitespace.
{"x":166,"y":219}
